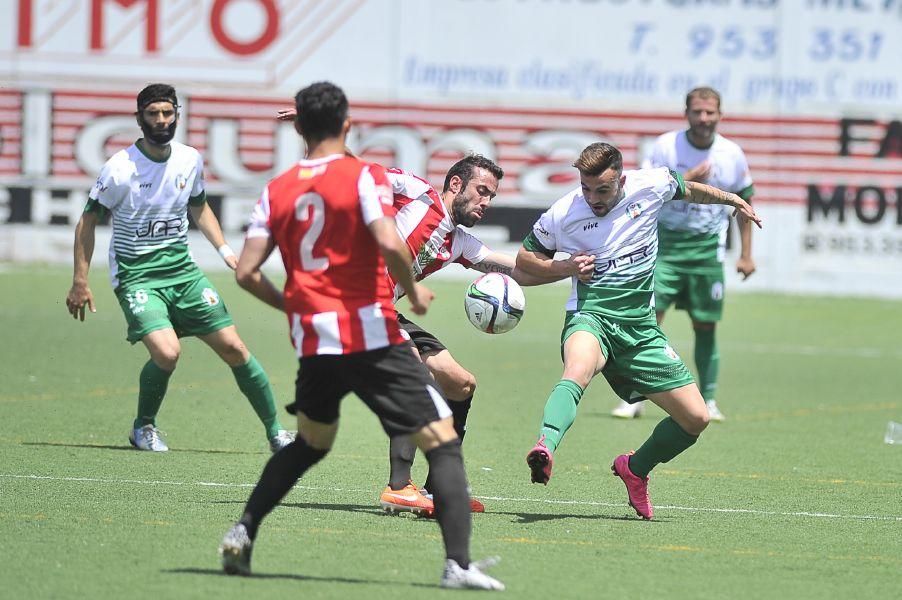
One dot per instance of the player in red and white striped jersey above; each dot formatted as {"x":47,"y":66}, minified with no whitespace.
{"x":330,"y":217}
{"x":430,"y":223}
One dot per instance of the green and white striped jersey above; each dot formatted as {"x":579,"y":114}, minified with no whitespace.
{"x":149,"y":205}
{"x":624,"y":242}
{"x":695,"y":234}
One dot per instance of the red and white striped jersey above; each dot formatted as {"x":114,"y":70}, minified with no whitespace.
{"x":317,"y":212}
{"x":432,"y":237}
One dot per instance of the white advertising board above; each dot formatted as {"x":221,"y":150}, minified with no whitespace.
{"x":812,"y":92}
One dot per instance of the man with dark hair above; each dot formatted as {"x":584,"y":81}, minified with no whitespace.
{"x":608,"y":226}
{"x":148,"y":188}
{"x":692,"y":237}
{"x":432,"y":225}
{"x":330,"y":217}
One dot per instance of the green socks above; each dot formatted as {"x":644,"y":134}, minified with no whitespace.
{"x":253,"y":383}
{"x":152,"y":386}
{"x":560,"y":411}
{"x":666,"y":441}
{"x":707,"y":361}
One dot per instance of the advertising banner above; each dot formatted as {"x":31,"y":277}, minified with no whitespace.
{"x":812,"y":92}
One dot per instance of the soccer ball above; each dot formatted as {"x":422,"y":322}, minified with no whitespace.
{"x":494,"y":303}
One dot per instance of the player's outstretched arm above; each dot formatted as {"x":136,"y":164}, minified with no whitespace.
{"x":700,"y":193}
{"x":209,"y":226}
{"x":541,"y":267}
{"x":249,"y":276}
{"x":498,"y":262}
{"x":397,"y":259}
{"x":80,"y":294}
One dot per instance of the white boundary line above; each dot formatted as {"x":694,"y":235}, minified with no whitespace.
{"x":744,"y":511}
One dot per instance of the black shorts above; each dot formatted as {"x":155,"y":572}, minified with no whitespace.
{"x":425,"y":342}
{"x":390,"y":381}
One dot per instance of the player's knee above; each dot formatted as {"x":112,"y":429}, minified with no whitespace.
{"x":696,"y":422}
{"x":167,"y":358}
{"x":234,"y":352}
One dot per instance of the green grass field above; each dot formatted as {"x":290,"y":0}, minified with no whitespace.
{"x":795,"y":496}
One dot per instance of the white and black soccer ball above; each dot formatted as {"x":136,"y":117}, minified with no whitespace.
{"x":494,"y":303}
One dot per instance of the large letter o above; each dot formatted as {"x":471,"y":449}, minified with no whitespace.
{"x":254,"y":46}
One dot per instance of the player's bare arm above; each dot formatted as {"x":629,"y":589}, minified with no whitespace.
{"x":209,"y":225}
{"x":397,"y":259}
{"x":80,"y":294}
{"x":536,"y":264}
{"x":249,"y":276}
{"x":700,"y":193}
{"x":497,"y":262}
{"x":745,"y":265}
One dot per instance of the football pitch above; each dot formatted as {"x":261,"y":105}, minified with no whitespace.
{"x":796,"y":495}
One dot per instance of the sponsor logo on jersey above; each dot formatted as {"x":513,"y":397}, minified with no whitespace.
{"x":612,"y":264}
{"x":100,"y":187}
{"x":210,"y":296}
{"x":144,"y":186}
{"x":589,"y":226}
{"x":160,"y":228}
{"x":541,"y":230}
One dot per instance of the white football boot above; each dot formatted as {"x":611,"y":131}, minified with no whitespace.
{"x":147,"y":438}
{"x":235,"y":550}
{"x":714,"y":413}
{"x":625,"y":410}
{"x":280,"y":440}
{"x":456,"y":577}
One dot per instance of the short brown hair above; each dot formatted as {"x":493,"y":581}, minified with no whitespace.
{"x":703,"y":92}
{"x":597,"y":158}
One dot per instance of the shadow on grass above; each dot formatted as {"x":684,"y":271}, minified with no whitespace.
{"x":527,"y":518}
{"x":355,"y":508}
{"x":290,"y":576}
{"x":129,"y":447}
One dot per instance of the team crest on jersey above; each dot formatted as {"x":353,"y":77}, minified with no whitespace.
{"x":210,"y":296}
{"x":634,"y":209}
{"x":671,"y":353}
{"x":181,"y":181}
{"x":431,"y":252}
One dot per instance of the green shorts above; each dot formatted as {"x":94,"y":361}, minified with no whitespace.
{"x":700,"y":294}
{"x":639,"y":359}
{"x":190,"y":308}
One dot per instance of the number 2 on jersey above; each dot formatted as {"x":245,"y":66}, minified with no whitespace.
{"x":310,"y":207}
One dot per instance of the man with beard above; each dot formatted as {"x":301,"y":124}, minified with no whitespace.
{"x":148,"y":189}
{"x":431,"y":224}
{"x":611,"y":220}
{"x":692,"y":237}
